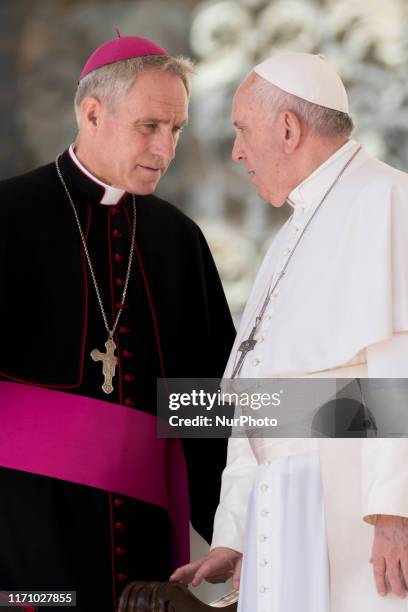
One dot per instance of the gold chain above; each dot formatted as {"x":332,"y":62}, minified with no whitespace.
{"x":88,"y":258}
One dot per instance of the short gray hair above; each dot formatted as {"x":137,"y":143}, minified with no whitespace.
{"x":325,"y":122}
{"x":112,"y":82}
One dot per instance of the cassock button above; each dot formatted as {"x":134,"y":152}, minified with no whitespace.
{"x":124,"y":330}
{"x":120,"y":551}
{"x":264,"y":513}
{"x":129,"y":377}
{"x":116,"y":233}
{"x":119,"y":526}
{"x":129,"y":402}
{"x":264,"y":488}
{"x":256,"y":362}
{"x":263,"y":563}
{"x":118,"y":257}
{"x":122,"y":577}
{"x":120,"y":306}
{"x":127,"y":354}
{"x":119,"y":282}
{"x":262,"y":589}
{"x":118,"y":502}
{"x":263,"y":537}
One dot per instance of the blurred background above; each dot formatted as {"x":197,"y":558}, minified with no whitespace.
{"x":44,"y":44}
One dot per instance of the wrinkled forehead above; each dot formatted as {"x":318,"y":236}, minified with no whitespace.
{"x":154,"y":89}
{"x":243,"y":100}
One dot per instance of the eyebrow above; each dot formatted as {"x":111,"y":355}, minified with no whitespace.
{"x":156,"y":120}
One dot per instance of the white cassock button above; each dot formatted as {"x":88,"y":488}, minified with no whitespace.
{"x":256,"y":362}
{"x":264,"y":487}
{"x":263,"y":563}
{"x":267,"y":317}
{"x":275,"y":293}
{"x":264,"y":513}
{"x":262,"y":589}
{"x":287,"y":251}
{"x":263,"y":537}
{"x":261,"y":339}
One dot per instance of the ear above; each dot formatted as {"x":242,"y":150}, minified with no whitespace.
{"x":91,"y":111}
{"x":292,"y":131}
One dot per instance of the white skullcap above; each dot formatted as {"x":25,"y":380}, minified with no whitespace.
{"x":307,"y":76}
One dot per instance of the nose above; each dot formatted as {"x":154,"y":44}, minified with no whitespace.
{"x":164,"y":145}
{"x":237,"y":153}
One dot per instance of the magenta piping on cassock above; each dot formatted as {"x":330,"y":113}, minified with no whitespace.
{"x":95,"y":443}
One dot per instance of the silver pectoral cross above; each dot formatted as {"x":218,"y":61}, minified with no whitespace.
{"x":109,"y":361}
{"x":246,"y":347}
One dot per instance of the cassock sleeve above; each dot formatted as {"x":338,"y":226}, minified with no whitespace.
{"x":385,"y":460}
{"x":206,"y":458}
{"x":237,"y":481}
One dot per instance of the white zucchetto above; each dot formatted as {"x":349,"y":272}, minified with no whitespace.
{"x":307,"y":76}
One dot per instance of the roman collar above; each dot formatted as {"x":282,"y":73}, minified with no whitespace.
{"x":82,"y":181}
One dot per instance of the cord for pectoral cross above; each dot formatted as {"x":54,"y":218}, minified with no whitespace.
{"x":249,"y":344}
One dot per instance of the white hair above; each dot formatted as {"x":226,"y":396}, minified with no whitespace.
{"x":113,"y":82}
{"x":325,"y":122}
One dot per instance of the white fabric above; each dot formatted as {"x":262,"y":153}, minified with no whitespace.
{"x":242,"y":461}
{"x":307,"y":76}
{"x":361,"y":478}
{"x":112,"y":195}
{"x":342,"y":311}
{"x":346,"y":287}
{"x":283,"y":548}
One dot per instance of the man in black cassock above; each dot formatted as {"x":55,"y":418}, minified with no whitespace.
{"x":68,"y":234}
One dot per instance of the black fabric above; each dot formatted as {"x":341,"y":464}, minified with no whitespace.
{"x":61,"y":536}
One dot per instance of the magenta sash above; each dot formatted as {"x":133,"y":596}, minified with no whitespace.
{"x":96,"y":443}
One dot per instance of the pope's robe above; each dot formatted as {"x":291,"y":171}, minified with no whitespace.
{"x":60,"y":535}
{"x":341,"y":310}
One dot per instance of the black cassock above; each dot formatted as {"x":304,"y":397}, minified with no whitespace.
{"x":56,"y":535}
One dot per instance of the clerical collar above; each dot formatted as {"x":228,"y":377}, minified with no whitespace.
{"x":111,"y":195}
{"x":310,"y":190}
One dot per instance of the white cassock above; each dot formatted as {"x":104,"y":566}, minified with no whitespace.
{"x":341,"y":310}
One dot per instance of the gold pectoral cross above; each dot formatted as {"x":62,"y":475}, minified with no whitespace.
{"x":110,"y":361}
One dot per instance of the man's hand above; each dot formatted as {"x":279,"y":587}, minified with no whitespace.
{"x":218,"y":566}
{"x":390,"y":555}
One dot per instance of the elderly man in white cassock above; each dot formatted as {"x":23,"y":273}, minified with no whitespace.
{"x":330,"y":300}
